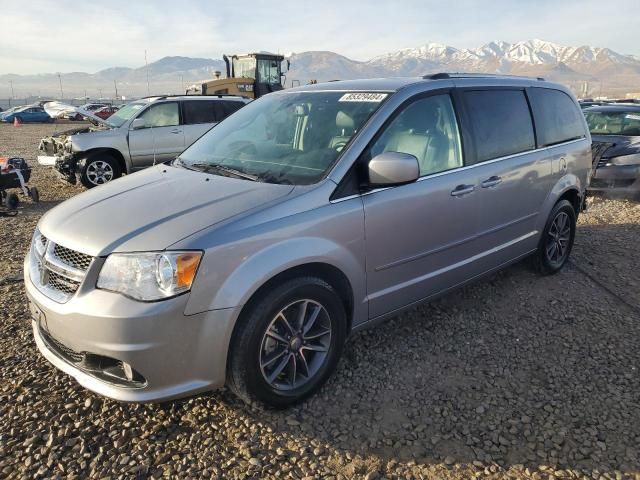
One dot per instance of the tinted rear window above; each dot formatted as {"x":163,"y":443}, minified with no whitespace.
{"x":557,"y":117}
{"x":230,"y":107}
{"x":501,"y":122}
{"x":201,"y":111}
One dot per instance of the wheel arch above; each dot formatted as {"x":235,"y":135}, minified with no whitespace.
{"x":570,"y":188}
{"x":574,"y":197}
{"x":324,"y":271}
{"x":115,"y":153}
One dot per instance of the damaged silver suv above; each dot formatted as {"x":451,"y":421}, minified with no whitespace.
{"x":142,"y":133}
{"x":308,"y":214}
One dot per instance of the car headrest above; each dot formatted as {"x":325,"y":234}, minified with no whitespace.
{"x":344,"y":120}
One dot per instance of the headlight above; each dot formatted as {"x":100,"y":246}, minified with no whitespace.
{"x":633,"y":159}
{"x":38,"y":243}
{"x":149,"y":276}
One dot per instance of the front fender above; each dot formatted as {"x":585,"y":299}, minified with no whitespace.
{"x":114,"y":140}
{"x":238,"y":287}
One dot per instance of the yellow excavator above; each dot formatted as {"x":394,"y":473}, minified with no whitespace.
{"x":250,"y":75}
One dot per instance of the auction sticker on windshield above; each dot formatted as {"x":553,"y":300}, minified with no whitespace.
{"x":363,"y":97}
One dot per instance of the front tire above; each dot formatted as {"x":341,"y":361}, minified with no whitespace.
{"x":287,"y":344}
{"x":557,"y":239}
{"x":100,"y":169}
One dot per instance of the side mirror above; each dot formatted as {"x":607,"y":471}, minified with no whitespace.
{"x":393,"y":168}
{"x":137,"y":124}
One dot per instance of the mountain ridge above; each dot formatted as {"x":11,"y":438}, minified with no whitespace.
{"x":577,"y":66}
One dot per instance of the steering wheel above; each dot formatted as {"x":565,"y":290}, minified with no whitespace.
{"x":339,"y":146}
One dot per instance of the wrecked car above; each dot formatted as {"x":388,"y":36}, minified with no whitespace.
{"x":615,"y":133}
{"x":140,"y":134}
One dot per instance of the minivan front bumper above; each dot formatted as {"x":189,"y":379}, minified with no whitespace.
{"x":132,"y":351}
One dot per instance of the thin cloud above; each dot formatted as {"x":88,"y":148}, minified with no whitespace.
{"x":42,"y":36}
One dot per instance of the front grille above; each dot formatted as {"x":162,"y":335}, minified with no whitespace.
{"x":62,"y":350}
{"x":62,"y":284}
{"x":55,"y":270}
{"x":78,"y":260}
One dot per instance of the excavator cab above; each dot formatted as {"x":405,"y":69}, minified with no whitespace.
{"x":251,"y":75}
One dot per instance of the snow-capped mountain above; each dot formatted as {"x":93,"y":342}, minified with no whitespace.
{"x":576,"y":66}
{"x":525,"y":53}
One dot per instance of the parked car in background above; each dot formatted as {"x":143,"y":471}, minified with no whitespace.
{"x":615,"y":133}
{"x":28,"y":114}
{"x":310,"y":213}
{"x":88,"y":107}
{"x":140,"y":134}
{"x":106,"y":112}
{"x":9,"y":110}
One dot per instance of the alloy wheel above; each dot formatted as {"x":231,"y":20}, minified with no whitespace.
{"x":99,"y":172}
{"x":558,"y":237}
{"x":295,"y":345}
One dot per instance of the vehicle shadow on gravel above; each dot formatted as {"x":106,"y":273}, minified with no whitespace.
{"x":516,"y":371}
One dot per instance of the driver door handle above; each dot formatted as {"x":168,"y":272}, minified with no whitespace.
{"x":462,"y":190}
{"x":176,"y":130}
{"x":491,"y":182}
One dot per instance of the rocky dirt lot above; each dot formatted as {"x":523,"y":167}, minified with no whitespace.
{"x":518,"y":376}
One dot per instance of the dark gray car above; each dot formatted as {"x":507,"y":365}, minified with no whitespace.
{"x":615,"y":133}
{"x":308,"y":214}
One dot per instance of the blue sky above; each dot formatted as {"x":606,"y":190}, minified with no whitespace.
{"x":63,"y":35}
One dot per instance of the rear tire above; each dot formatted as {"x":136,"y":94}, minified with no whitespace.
{"x":281,"y":362}
{"x":34,"y":194}
{"x":100,"y":169}
{"x":12,"y":201}
{"x":557,"y":239}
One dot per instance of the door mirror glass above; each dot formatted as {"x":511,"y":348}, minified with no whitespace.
{"x":138,"y":123}
{"x":393,"y":168}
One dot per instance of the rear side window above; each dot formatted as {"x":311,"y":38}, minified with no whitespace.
{"x":500,"y":121}
{"x":230,"y":107}
{"x":201,"y":111}
{"x":557,"y":117}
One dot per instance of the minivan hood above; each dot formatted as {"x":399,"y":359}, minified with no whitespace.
{"x":152,"y":209}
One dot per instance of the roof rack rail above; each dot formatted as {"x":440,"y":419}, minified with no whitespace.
{"x":445,"y":75}
{"x":218,"y":95}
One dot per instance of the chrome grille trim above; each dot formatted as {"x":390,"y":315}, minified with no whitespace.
{"x":56,"y":271}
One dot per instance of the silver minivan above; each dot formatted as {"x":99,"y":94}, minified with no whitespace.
{"x":306,"y":215}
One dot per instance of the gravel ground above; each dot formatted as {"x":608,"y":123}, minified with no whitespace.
{"x":518,"y":376}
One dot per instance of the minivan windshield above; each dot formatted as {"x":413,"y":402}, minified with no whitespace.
{"x":125,"y":113}
{"x":289,"y":137}
{"x":613,"y":122}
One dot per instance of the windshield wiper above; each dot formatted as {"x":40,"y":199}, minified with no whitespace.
{"x":207,"y":167}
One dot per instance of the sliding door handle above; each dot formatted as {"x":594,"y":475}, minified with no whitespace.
{"x":462,"y":190}
{"x":491,"y":182}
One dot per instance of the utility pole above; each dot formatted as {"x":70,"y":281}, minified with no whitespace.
{"x":60,"y":80}
{"x":100,"y":91}
{"x":116,"y":87}
{"x":182,"y":83}
{"x":12,"y":94}
{"x":146,"y":67}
